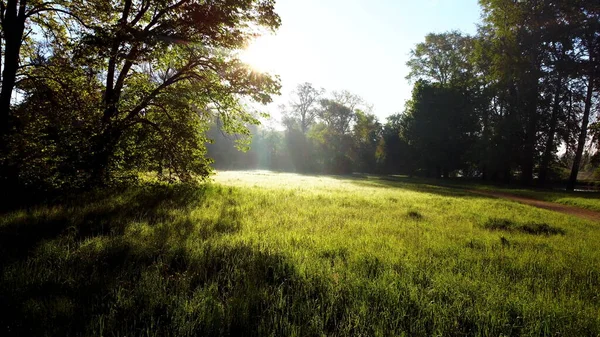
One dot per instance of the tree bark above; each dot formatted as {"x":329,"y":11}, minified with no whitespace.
{"x":112,"y":94}
{"x":13,"y":27}
{"x":104,"y":148}
{"x":583,"y":134}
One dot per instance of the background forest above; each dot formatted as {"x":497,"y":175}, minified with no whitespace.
{"x":518,"y":102}
{"x":95,"y":92}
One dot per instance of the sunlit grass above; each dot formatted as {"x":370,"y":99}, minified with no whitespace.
{"x":582,"y":199}
{"x":265,"y":254}
{"x":588,"y":200}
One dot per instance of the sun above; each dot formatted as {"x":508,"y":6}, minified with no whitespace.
{"x":263,"y":54}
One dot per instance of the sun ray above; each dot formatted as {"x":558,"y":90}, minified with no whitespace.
{"x":262,"y":54}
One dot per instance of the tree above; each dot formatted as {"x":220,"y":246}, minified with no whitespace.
{"x":589,"y":44}
{"x":442,"y":58}
{"x":350,"y":100}
{"x":173,"y":56}
{"x":522,"y":34}
{"x":393,"y":152}
{"x":333,"y":137}
{"x":440,"y":128}
{"x":304,"y":107}
{"x":162,"y":71}
{"x":337,"y":117}
{"x":366,"y":135}
{"x":56,"y":116}
{"x":15,"y":17}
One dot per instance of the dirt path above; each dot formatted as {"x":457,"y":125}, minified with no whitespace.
{"x":560,"y":208}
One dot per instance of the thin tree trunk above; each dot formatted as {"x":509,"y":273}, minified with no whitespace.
{"x":13,"y":27}
{"x":583,"y":134}
{"x":549,"y":149}
{"x":111,"y":96}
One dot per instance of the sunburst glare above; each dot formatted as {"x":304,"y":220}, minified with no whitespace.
{"x":263,"y":54}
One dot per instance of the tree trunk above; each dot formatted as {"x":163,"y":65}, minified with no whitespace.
{"x":13,"y":27}
{"x":104,"y":148}
{"x":583,"y":133}
{"x":549,"y":149}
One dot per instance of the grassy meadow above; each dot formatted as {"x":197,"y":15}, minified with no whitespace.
{"x":267,"y":254}
{"x":588,"y":200}
{"x":582,"y":199}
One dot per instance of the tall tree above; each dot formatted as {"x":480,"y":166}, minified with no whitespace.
{"x":15,"y":17}
{"x":304,"y":106}
{"x":440,"y":128}
{"x":517,"y":30}
{"x":161,"y":71}
{"x":366,"y":135}
{"x":159,"y":57}
{"x":558,"y":77}
{"x":442,"y":58}
{"x":336,"y":116}
{"x":589,"y":44}
{"x":393,"y":153}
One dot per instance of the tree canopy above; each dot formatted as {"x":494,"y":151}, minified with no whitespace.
{"x":140,"y":82}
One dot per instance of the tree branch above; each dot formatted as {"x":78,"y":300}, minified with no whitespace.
{"x":146,"y":101}
{"x":59,"y":10}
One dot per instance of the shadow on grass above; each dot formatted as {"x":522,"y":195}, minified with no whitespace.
{"x":128,"y":290}
{"x":527,"y":228}
{"x":71,"y":269}
{"x":93,"y":214}
{"x":138,"y":263}
{"x":438,"y":187}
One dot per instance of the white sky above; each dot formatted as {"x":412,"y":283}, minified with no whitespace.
{"x":357,"y":45}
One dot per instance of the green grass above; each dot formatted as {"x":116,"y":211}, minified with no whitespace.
{"x":588,"y":200}
{"x":263,"y":254}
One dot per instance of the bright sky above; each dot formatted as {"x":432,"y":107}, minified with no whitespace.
{"x":357,"y":45}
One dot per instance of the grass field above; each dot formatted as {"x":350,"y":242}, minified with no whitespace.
{"x":588,"y":200}
{"x":581,"y":199}
{"x":264,"y":254}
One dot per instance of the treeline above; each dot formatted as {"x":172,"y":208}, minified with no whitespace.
{"x":518,"y":98}
{"x":516,"y":102}
{"x":95,"y":92}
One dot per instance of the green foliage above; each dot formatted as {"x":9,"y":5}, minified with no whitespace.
{"x":442,"y":58}
{"x":303,"y":108}
{"x":440,"y":128}
{"x":142,"y":81}
{"x":322,"y":135}
{"x":56,"y":121}
{"x":367,"y":132}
